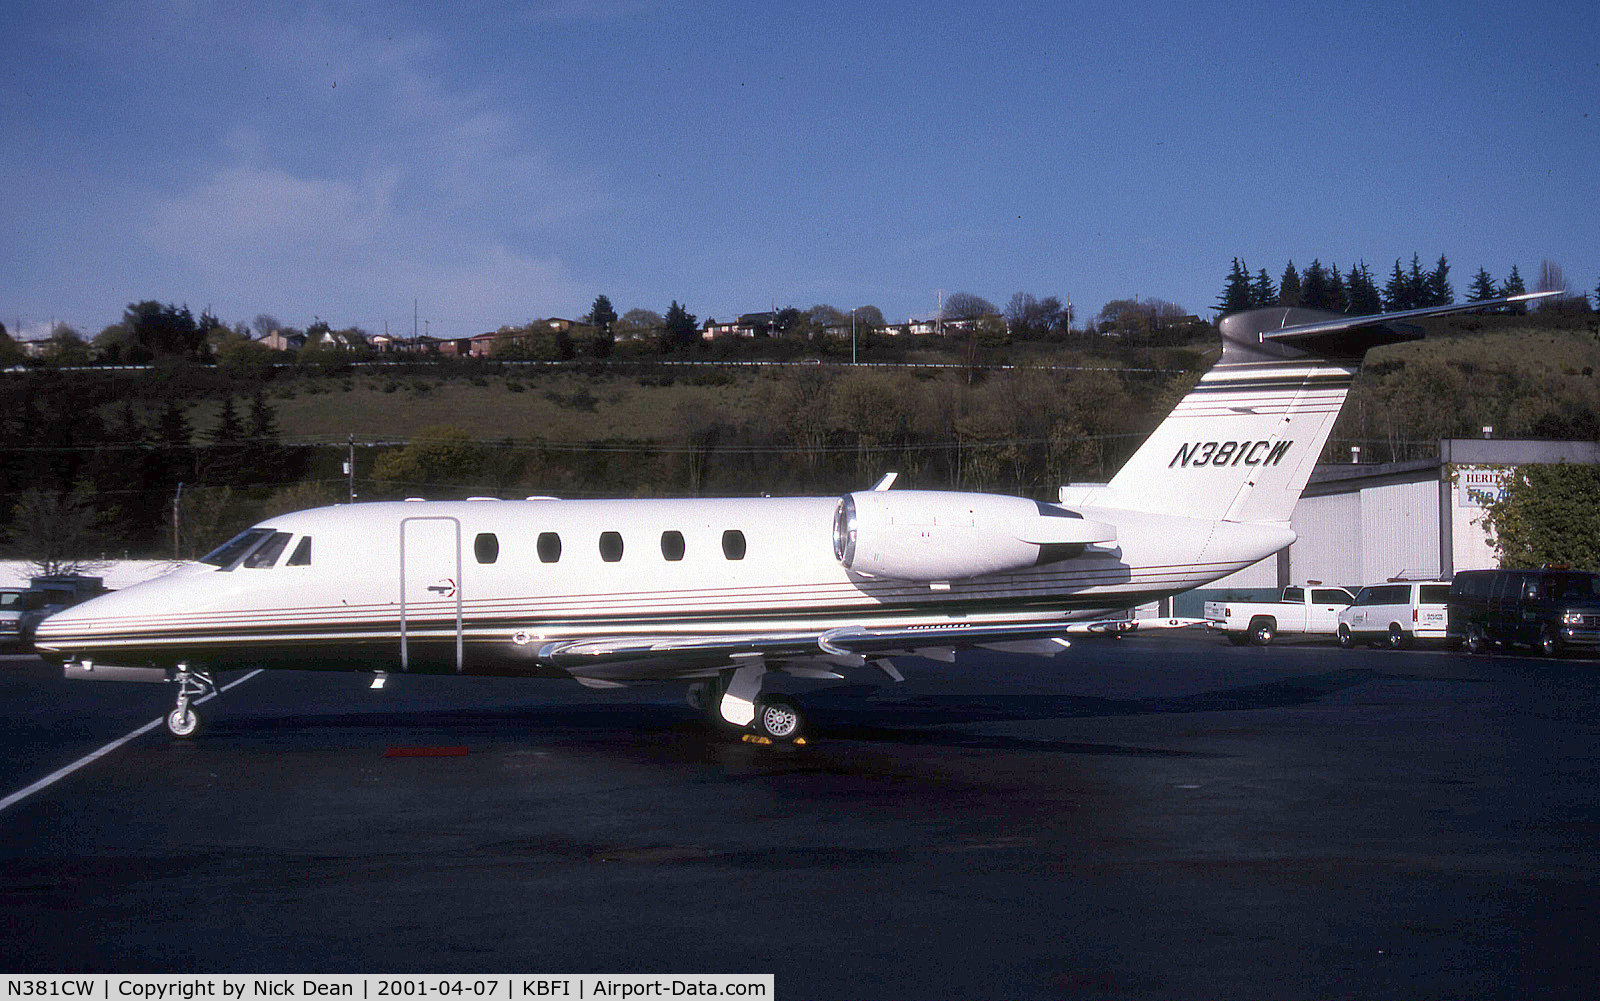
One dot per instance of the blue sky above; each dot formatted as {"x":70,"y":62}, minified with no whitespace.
{"x":499,"y":162}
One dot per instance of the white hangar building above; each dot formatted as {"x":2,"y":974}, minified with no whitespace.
{"x":1361,"y":523}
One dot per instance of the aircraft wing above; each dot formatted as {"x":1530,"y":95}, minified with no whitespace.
{"x":689,"y":656}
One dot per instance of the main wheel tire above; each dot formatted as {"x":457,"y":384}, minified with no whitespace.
{"x":1262,"y":631}
{"x":183,"y":722}
{"x":1549,"y":642}
{"x":778,"y":719}
{"x":1397,"y":637}
{"x":1474,"y":641}
{"x":1346,"y":641}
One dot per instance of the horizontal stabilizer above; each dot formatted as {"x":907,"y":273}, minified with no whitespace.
{"x":1286,"y":332}
{"x":1305,"y":332}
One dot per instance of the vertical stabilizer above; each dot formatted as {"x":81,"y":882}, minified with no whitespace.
{"x":1241,"y":445}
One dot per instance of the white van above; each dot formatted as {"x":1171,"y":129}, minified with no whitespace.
{"x":1395,"y":614}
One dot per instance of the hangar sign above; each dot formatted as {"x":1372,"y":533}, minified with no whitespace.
{"x":1479,"y":486}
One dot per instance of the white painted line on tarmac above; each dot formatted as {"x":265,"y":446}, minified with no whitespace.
{"x":61,"y":773}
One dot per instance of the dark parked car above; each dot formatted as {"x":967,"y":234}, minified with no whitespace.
{"x":48,"y":595}
{"x":1548,"y":610}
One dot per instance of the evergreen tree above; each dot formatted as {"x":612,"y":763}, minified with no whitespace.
{"x":1236,"y":294}
{"x":126,"y":480}
{"x":1416,"y":284}
{"x":1514,"y":286}
{"x":1314,"y":290}
{"x":1262,"y":292}
{"x":173,"y":438}
{"x":1363,"y":298}
{"x":225,"y":457}
{"x":604,"y":318}
{"x":1289,"y":287}
{"x":262,"y":455}
{"x":1337,"y":294}
{"x":229,"y":429}
{"x":1438,"y":291}
{"x":1483,"y":287}
{"x":161,"y":330}
{"x":680,"y":330}
{"x":1394,"y":290}
{"x":602,"y":315}
{"x":263,"y":421}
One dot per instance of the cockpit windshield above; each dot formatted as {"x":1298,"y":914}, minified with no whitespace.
{"x":266,"y":555}
{"x":227,"y":554}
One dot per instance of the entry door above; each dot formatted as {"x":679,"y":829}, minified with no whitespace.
{"x":430,"y":593}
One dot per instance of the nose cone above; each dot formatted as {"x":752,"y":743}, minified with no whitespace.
{"x":110,"y":618}
{"x":78,"y":621}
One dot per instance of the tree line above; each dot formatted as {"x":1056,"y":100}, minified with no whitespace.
{"x":1356,"y":292}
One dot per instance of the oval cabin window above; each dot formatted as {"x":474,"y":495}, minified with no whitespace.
{"x":672,"y":546}
{"x":733,"y":544}
{"x":610,"y":546}
{"x":486,"y":547}
{"x":549,"y":547}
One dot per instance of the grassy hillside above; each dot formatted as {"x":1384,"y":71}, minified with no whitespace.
{"x":559,"y":406}
{"x":1523,"y":379}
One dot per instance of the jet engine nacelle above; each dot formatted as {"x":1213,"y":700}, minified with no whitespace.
{"x":932,"y":535}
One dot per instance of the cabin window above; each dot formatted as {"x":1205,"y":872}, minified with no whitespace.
{"x":610,"y":546}
{"x":301,"y":557}
{"x":733,"y":544}
{"x":672,"y":546}
{"x":227,"y":554}
{"x":486,"y":547}
{"x":266,"y":554}
{"x":549,"y":547}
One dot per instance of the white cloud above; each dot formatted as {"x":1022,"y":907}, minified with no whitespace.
{"x":398,"y":186}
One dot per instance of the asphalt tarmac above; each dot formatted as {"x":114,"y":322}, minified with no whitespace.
{"x":1151,"y":817}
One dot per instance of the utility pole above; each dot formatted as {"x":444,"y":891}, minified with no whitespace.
{"x":177,"y":500}
{"x":853,"y":336}
{"x":350,"y":468}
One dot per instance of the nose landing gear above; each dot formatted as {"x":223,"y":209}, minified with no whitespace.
{"x":194,"y":685}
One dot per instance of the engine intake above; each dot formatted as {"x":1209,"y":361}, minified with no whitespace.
{"x":933,"y":535}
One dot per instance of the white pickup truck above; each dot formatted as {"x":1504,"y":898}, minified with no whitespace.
{"x":1309,"y":610}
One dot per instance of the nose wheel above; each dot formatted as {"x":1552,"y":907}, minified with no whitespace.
{"x":193,"y":686}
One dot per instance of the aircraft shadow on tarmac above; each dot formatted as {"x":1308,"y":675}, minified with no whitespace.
{"x":857,"y":712}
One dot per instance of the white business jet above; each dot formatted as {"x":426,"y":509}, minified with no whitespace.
{"x":722,"y":593}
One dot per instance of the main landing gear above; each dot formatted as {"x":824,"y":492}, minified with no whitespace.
{"x":193,"y":686}
{"x":734,"y":697}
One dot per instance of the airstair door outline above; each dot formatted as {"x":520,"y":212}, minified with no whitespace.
{"x":430,"y":583}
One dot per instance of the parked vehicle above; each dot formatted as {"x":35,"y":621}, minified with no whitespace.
{"x":13,"y":603}
{"x":48,"y":595}
{"x":1548,"y":610}
{"x":1309,"y":610}
{"x":1396,"y":614}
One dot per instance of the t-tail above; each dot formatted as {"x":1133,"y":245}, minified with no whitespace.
{"x":1241,"y":445}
